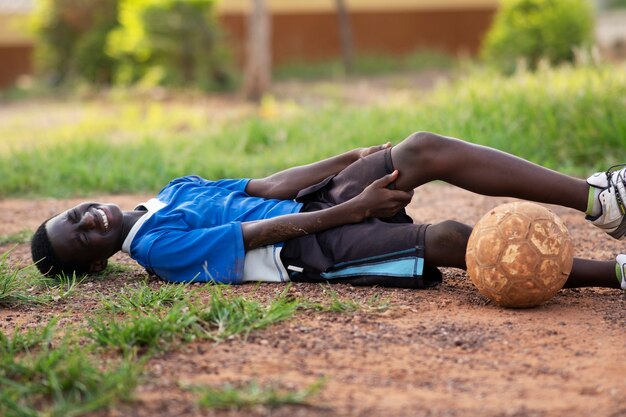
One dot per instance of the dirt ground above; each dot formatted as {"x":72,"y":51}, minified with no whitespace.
{"x":440,"y":352}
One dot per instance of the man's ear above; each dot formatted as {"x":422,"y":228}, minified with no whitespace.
{"x":97,"y":266}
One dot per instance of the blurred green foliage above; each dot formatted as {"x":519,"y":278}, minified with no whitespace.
{"x":169,"y":42}
{"x":533,"y":30}
{"x":152,"y":42}
{"x":615,"y":4}
{"x":71,"y":35}
{"x":366,"y":64}
{"x":568,"y":118}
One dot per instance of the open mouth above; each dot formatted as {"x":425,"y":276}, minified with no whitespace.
{"x":105,"y":220}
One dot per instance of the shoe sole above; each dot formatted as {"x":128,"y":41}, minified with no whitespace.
{"x":620,"y":231}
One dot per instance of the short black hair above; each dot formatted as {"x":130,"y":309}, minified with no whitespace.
{"x":44,"y":257}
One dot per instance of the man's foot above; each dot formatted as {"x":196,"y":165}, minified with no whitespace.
{"x":620,"y":270}
{"x":609,"y":201}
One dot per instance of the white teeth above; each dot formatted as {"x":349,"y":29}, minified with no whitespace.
{"x":105,"y":221}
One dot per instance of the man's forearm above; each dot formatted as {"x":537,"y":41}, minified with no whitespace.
{"x":283,"y":228}
{"x":376,"y":200}
{"x":286,"y":184}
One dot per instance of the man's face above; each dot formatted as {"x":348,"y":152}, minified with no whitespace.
{"x":87,"y":234}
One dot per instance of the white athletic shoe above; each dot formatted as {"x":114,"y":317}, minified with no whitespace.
{"x":612,"y":201}
{"x":621,"y":269}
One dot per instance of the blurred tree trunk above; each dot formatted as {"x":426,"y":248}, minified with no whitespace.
{"x":345,"y":35}
{"x":258,"y":54}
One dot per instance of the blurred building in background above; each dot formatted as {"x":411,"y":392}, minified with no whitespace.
{"x":304,"y":30}
{"x":16,"y":42}
{"x":308,"y":30}
{"x":611,"y":28}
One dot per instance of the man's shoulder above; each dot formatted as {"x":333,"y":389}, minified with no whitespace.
{"x":233,"y":184}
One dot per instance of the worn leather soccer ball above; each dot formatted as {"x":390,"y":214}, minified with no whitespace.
{"x":519,"y":254}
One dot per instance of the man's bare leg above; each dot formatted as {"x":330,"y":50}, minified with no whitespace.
{"x":424,"y":157}
{"x":588,"y":273}
{"x":446,"y":243}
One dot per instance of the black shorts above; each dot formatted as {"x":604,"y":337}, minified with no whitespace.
{"x":387,"y":252}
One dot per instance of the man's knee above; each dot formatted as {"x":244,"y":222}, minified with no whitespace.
{"x":422,"y":142}
{"x":423,"y":149}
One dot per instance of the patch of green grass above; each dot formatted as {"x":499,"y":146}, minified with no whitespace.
{"x":38,"y":379}
{"x":60,"y":287}
{"x":42,"y":374}
{"x":365,"y":64}
{"x":337,"y":304}
{"x":568,"y":118}
{"x":142,"y":297}
{"x":252,"y":394}
{"x":25,"y":285}
{"x":228,"y":315}
{"x":24,"y":341}
{"x":16,"y":238}
{"x":114,"y":268}
{"x":17,"y":284}
{"x":145,"y":331}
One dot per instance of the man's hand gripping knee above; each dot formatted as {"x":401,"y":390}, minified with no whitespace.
{"x":379,"y":200}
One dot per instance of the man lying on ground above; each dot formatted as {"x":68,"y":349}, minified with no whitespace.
{"x":338,"y":220}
